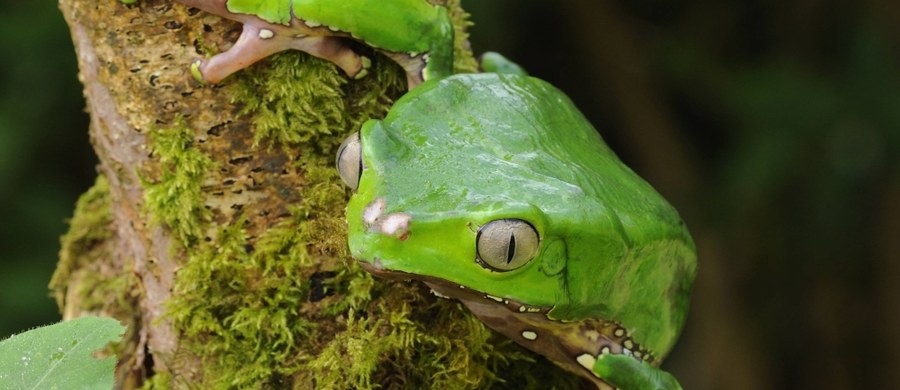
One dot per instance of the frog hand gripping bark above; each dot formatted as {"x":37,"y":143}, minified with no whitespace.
{"x":414,"y":33}
{"x":494,"y":190}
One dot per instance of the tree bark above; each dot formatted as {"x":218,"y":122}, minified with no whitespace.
{"x":216,"y":233}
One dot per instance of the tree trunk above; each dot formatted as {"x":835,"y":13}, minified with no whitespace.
{"x":215,"y":230}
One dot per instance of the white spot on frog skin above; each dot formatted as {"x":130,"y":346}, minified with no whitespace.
{"x":628,"y":344}
{"x":638,"y":354}
{"x":529,"y":335}
{"x":266,"y":33}
{"x":311,"y":23}
{"x":592,"y":335}
{"x":498,"y":299}
{"x":604,"y":350}
{"x":587,"y":361}
{"x":522,"y":309}
{"x":619,"y":332}
{"x":373,"y":211}
{"x":626,"y":351}
{"x":396,"y":224}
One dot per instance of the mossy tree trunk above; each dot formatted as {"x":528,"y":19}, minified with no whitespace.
{"x":215,"y":230}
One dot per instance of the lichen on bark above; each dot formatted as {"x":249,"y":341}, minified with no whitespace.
{"x":224,"y":217}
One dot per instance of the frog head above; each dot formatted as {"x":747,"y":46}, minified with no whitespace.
{"x":496,"y":191}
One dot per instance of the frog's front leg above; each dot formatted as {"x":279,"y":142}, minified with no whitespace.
{"x":627,"y":373}
{"x":258,"y":42}
{"x":261,"y":38}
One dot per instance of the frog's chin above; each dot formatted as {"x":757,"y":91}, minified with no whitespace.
{"x":572,"y":345}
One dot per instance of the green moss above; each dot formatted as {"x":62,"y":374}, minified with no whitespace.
{"x":302,"y":100}
{"x":463,"y":61}
{"x":159,"y":381}
{"x":89,"y":279}
{"x":89,"y":228}
{"x":86,"y":264}
{"x":175,"y":198}
{"x":239,"y":307}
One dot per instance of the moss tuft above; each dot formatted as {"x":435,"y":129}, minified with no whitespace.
{"x":240,"y":306}
{"x":463,"y":60}
{"x":302,"y":100}
{"x":90,"y":279}
{"x":89,"y":228}
{"x":175,"y":197}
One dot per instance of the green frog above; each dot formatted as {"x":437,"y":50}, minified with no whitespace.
{"x":493,"y":189}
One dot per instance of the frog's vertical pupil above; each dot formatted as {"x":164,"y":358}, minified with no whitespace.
{"x":511,"y":248}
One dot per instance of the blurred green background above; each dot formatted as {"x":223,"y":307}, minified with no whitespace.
{"x":774,"y":127}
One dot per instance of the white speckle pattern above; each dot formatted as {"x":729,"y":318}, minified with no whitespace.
{"x":529,"y":335}
{"x":587,"y":361}
{"x":266,"y":33}
{"x":498,"y":299}
{"x":439,"y":295}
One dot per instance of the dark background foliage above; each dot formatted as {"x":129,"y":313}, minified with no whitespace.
{"x":774,"y":127}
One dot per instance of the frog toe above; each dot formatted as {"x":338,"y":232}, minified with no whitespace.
{"x":334,"y":50}
{"x":254,"y":44}
{"x":196,"y":72}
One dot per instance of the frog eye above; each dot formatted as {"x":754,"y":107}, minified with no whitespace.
{"x":349,"y":161}
{"x":506,"y":244}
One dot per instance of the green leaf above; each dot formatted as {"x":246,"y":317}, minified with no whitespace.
{"x":60,"y":356}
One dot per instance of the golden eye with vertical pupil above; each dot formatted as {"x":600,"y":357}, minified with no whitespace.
{"x":349,"y":161}
{"x":506,"y":244}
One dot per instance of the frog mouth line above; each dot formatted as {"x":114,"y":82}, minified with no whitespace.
{"x":573,"y":345}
